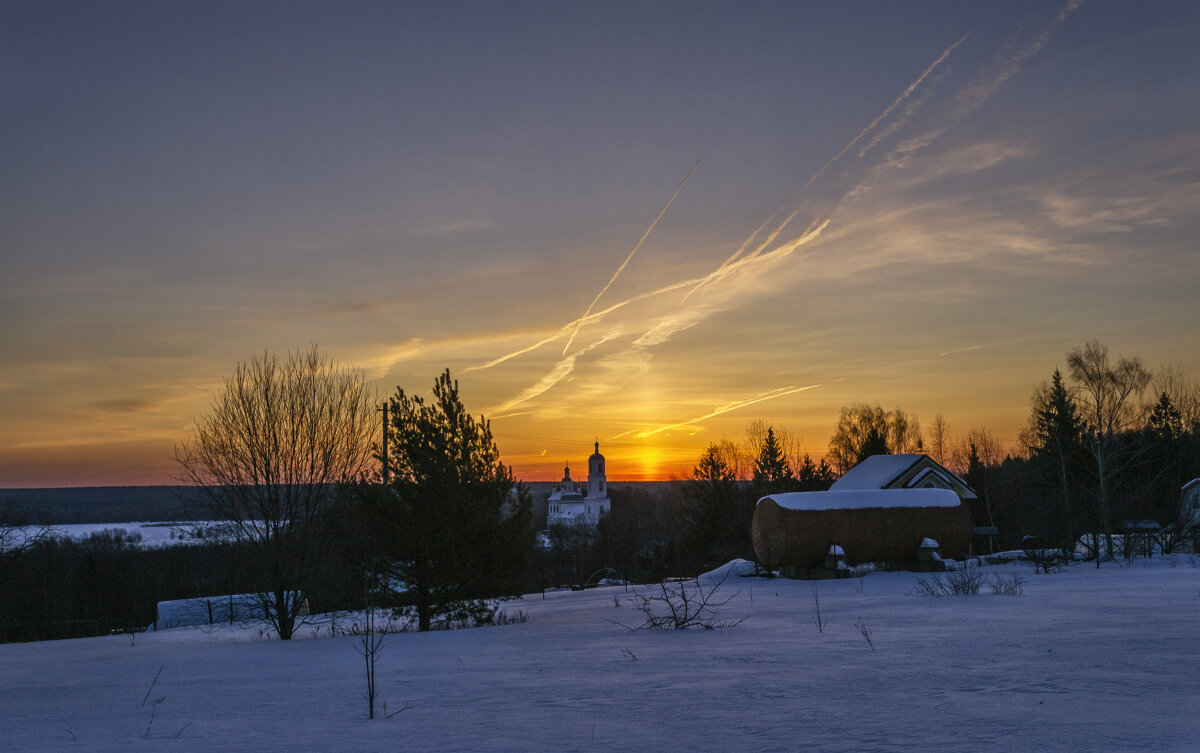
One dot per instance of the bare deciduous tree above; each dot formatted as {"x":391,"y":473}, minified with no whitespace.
{"x":864,"y":430}
{"x":939,"y":439}
{"x":979,"y":444}
{"x":1183,"y":393}
{"x":269,"y":456}
{"x":1108,"y":395}
{"x":16,"y":537}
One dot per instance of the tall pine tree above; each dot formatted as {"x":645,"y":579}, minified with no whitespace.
{"x":717,"y":517}
{"x":772,"y":472}
{"x":460,"y":531}
{"x":1058,"y":447}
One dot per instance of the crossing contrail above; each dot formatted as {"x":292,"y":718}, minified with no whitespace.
{"x":762,"y":249}
{"x":645,"y":235}
{"x":904,"y":95}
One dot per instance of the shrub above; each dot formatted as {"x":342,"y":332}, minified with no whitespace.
{"x":678,"y":605}
{"x":968,"y":581}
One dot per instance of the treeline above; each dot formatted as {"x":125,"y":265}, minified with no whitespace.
{"x":1107,"y":444}
{"x":100,"y":504}
{"x":106,"y":583}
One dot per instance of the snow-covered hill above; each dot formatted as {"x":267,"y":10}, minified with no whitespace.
{"x":1085,"y":660}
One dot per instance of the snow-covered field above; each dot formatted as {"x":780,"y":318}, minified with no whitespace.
{"x":150,"y":533}
{"x":1084,"y":660}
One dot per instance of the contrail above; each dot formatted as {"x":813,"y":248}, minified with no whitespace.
{"x":728,"y":265}
{"x":515,"y":353}
{"x":576,"y":322}
{"x":751,"y":252}
{"x":962,"y":350}
{"x":734,"y":405}
{"x":975,"y":93}
{"x":560,"y":371}
{"x":564,"y":366}
{"x":908,"y":91}
{"x":723,"y":268}
{"x":645,"y":235}
{"x":903,"y":96}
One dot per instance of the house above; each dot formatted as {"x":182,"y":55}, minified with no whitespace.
{"x":1189,"y":513}
{"x":572,"y":505}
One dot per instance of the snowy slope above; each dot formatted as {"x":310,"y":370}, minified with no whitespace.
{"x":1091,"y":660}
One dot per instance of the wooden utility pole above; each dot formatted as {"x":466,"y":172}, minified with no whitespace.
{"x":385,"y":442}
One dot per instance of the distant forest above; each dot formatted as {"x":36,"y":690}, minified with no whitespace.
{"x":124,"y":504}
{"x":100,"y":504}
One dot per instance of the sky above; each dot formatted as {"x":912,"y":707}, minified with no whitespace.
{"x":917,"y":205}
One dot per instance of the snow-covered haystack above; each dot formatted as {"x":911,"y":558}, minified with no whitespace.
{"x":798,"y":529}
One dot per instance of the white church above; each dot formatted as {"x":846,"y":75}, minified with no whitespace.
{"x":572,"y":505}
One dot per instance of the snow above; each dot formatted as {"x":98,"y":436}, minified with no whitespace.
{"x":928,"y":543}
{"x":1086,"y":660}
{"x":152,"y":533}
{"x":732,"y":569}
{"x":206,"y":611}
{"x":876,"y":472}
{"x":858,"y":500}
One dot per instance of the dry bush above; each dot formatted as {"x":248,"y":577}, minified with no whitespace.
{"x":967,"y":582}
{"x":678,"y":605}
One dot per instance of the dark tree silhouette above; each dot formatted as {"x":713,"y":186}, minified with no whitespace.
{"x":269,"y":457}
{"x":864,"y":430}
{"x":771,"y":468}
{"x":462,"y":528}
{"x":717,"y":516}
{"x":1108,"y":394}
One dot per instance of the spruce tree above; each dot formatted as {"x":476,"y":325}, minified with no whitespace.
{"x":460,"y":533}
{"x":717,"y":518}
{"x":813,"y":477}
{"x":1058,"y":444}
{"x":771,"y":469}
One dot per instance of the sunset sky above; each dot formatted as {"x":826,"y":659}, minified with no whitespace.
{"x":917,"y":204}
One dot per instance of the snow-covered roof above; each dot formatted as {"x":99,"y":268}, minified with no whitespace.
{"x":875,"y":472}
{"x":863,"y":499}
{"x":207,"y":610}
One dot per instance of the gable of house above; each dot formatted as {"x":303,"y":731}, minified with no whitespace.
{"x":903,"y":471}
